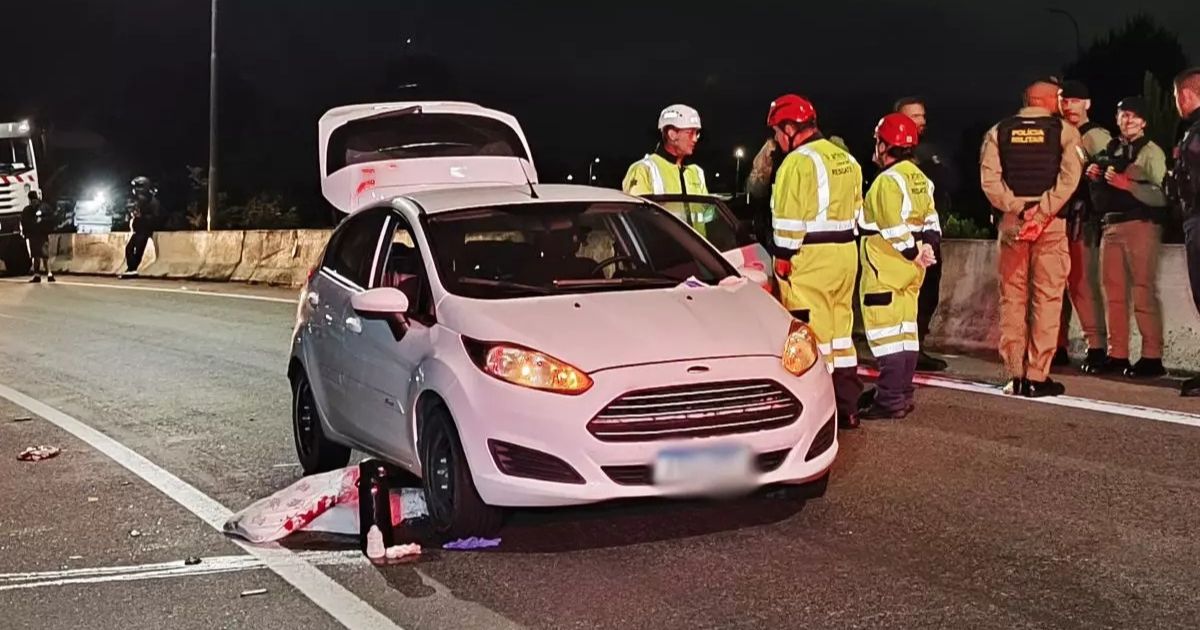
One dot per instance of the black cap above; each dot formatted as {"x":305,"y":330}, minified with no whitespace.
{"x":1075,"y":89}
{"x":1134,"y":104}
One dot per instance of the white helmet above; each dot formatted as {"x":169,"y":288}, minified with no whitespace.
{"x":679,"y":117}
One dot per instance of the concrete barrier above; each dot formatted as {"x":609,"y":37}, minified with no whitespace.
{"x":967,"y":318}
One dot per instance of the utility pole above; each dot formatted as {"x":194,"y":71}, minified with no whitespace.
{"x":1074,"y":23}
{"x":212,"y":121}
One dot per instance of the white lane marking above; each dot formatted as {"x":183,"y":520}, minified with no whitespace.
{"x":126,"y":287}
{"x":1074,"y":402}
{"x":341,"y":604}
{"x":161,"y":570}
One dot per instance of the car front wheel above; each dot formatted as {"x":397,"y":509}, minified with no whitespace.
{"x":316,"y":453}
{"x":455,"y":508}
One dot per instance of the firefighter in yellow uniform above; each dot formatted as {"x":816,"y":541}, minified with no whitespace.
{"x":815,"y":201}
{"x":670,"y":169}
{"x":900,"y":231}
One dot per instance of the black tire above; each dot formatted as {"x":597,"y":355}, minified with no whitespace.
{"x":15,"y":257}
{"x":802,"y":492}
{"x":316,"y":453}
{"x":455,"y":508}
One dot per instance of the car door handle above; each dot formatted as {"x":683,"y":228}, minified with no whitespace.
{"x":354,"y":325}
{"x":314,"y":299}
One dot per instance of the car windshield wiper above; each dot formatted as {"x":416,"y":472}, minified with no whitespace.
{"x":419,"y":145}
{"x":605,"y":282}
{"x":505,"y":284}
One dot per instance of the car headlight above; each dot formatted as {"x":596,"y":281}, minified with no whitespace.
{"x":800,"y":348}
{"x":526,"y":367}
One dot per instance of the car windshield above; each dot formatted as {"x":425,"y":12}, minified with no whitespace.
{"x":555,"y":248}
{"x":15,"y":156}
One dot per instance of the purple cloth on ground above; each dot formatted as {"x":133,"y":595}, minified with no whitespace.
{"x":465,"y":544}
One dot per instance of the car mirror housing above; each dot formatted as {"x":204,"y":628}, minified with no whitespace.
{"x":380,"y":301}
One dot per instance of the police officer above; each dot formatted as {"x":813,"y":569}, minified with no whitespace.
{"x":1126,"y":180}
{"x":35,"y":227}
{"x":1183,"y":185}
{"x":143,"y":219}
{"x":943,"y":181}
{"x":1083,"y":238}
{"x":670,"y":170}
{"x":815,"y":202}
{"x":900,"y":231}
{"x":1029,"y":167}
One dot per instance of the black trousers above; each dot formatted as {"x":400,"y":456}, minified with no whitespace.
{"x":1191,"y":244}
{"x":931,"y":291}
{"x":135,"y":249}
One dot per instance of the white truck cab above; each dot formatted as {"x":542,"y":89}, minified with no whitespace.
{"x":373,"y":152}
{"x":18,"y":177}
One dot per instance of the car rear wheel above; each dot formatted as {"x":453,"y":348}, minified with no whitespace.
{"x":455,"y":508}
{"x":316,"y":453}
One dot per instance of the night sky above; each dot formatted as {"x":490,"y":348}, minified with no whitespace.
{"x":584,"y":78}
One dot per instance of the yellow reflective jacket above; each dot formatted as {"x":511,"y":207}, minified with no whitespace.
{"x":816,"y":198}
{"x":899,"y":213}
{"x":658,"y":174}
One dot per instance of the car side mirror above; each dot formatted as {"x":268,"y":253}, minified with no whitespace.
{"x":380,"y":302}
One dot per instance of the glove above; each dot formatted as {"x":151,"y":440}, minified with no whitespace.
{"x":1031,"y":230}
{"x":783,"y":268}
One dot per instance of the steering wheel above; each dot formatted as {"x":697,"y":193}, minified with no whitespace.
{"x":611,"y":260}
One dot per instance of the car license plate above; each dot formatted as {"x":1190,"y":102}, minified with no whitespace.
{"x":703,"y":468}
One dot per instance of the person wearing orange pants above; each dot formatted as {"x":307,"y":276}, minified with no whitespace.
{"x":1029,"y":168}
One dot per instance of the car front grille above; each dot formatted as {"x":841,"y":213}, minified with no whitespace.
{"x":697,"y":410}
{"x":823,"y":440}
{"x":643,"y":475}
{"x":519,"y":461}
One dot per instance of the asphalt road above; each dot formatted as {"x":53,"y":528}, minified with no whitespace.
{"x":977,"y":512}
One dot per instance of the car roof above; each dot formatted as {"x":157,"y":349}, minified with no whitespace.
{"x":448,"y":199}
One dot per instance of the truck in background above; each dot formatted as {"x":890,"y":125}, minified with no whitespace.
{"x":18,"y":177}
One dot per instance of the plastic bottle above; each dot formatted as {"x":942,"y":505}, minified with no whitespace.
{"x":374,"y":504}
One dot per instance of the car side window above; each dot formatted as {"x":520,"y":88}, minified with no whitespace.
{"x":353,"y":247}
{"x":404,"y":269}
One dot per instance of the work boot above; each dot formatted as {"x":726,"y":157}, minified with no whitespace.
{"x":928,"y":363}
{"x":1061,"y":358}
{"x":1095,"y":361}
{"x":848,"y":422}
{"x":1017,"y":387}
{"x":128,"y":275}
{"x":866,"y":400}
{"x":1146,"y":368}
{"x":35,"y":280}
{"x":50,"y":279}
{"x":1041,"y":389}
{"x":1191,"y":387}
{"x":1112,"y":366}
{"x":882,"y":413}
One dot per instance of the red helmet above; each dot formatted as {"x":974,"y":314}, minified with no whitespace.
{"x":897,"y":130}
{"x":790,"y":108}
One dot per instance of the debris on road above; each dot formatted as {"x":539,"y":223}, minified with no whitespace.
{"x":191,"y":561}
{"x":23,"y":419}
{"x":74,"y":557}
{"x":403,"y":551}
{"x":253,"y":592}
{"x":133,"y":533}
{"x":93,"y":499}
{"x":467,"y":544}
{"x":375,"y":549}
{"x":38,"y":453}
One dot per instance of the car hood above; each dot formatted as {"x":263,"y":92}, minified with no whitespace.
{"x":595,"y":331}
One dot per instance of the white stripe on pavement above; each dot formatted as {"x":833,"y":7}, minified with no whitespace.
{"x":128,"y":287}
{"x":207,"y":566}
{"x":343,"y":605}
{"x":1074,"y":402}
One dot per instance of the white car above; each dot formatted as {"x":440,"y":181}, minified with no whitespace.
{"x":521,"y":344}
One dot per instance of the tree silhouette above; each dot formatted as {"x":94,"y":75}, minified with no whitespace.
{"x":1115,"y":65}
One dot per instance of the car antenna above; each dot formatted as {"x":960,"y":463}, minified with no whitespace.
{"x":528,"y":180}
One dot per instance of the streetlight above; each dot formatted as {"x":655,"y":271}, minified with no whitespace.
{"x":1074,"y":23}
{"x":738,"y":154}
{"x":212,"y":120}
{"x":570,"y":178}
{"x":594,"y":162}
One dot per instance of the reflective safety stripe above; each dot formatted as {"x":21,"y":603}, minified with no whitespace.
{"x":884,"y":349}
{"x":905,"y":244}
{"x":788,"y":243}
{"x":656,"y":179}
{"x":822,"y":182}
{"x":906,"y":205}
{"x":898,"y":231}
{"x":703,"y":183}
{"x":825,"y":348}
{"x":842,"y":343}
{"x":881,"y":333}
{"x":933,"y":223}
{"x":908,"y":327}
{"x":845,"y":362}
{"x":829,"y":226}
{"x":788,"y":224}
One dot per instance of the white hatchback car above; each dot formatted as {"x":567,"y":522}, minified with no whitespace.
{"x":546,"y":345}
